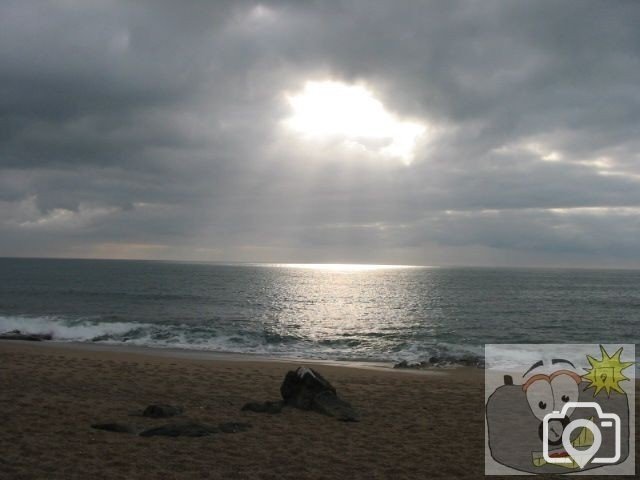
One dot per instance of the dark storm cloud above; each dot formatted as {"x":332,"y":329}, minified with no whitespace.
{"x":152,"y":129}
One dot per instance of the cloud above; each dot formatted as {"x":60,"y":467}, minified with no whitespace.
{"x":155,"y":130}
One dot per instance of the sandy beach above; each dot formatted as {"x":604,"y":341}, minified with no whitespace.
{"x":413,"y":425}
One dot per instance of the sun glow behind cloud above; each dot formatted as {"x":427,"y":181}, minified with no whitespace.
{"x":352,"y":115}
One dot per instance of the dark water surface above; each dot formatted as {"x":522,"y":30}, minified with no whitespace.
{"x":338,"y":312}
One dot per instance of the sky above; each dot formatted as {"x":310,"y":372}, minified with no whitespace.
{"x":390,"y":132}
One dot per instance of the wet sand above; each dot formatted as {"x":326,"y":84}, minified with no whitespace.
{"x":413,"y":425}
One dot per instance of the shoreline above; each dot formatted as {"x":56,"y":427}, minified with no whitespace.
{"x":217,"y":356}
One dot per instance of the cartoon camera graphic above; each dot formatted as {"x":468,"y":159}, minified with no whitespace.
{"x":559,"y":421}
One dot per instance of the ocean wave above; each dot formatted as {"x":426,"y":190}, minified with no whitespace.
{"x":65,"y":329}
{"x":242,"y":340}
{"x":441,"y":354}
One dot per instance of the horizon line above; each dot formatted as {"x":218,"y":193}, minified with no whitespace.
{"x":320,"y":264}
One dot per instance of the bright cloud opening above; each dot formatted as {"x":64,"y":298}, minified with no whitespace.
{"x":352,"y":115}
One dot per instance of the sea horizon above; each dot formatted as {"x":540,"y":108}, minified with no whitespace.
{"x":328,"y":263}
{"x":338,"y":312}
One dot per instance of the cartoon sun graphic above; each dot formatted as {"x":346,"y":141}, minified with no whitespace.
{"x":606,"y":373}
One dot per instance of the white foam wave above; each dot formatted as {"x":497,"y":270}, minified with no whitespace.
{"x":208,"y":338}
{"x":61,"y":329}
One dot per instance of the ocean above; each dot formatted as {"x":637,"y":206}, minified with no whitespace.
{"x":335,"y":312}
